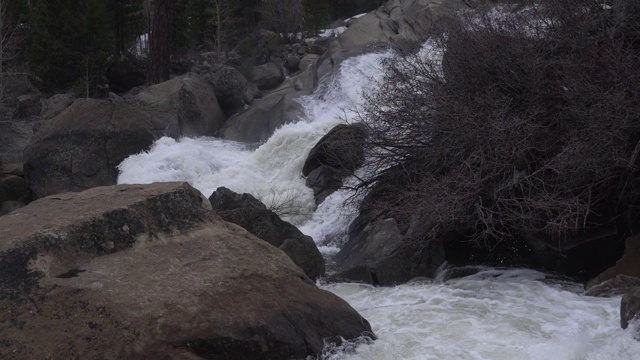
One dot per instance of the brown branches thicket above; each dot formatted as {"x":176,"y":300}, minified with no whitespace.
{"x":528,"y":123}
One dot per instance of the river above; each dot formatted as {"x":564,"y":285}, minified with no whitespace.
{"x":509,"y":314}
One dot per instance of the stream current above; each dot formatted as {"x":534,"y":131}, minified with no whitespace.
{"x":509,"y":314}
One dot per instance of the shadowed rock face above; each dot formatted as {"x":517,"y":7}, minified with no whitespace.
{"x":82,"y":146}
{"x":629,"y":307}
{"x":253,"y":215}
{"x":336,"y":155}
{"x":149,"y":272}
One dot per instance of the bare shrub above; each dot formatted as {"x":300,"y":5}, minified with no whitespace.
{"x":528,"y":123}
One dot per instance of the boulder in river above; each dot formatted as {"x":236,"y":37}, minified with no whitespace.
{"x":337,"y":154}
{"x":150,"y":272}
{"x":262,"y":119}
{"x":82,"y":147}
{"x":253,"y":215}
{"x":379,"y":252}
{"x":229,"y":86}
{"x":191,"y":99}
{"x":630,"y":307}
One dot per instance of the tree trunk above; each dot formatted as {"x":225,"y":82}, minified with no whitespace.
{"x":160,"y":41}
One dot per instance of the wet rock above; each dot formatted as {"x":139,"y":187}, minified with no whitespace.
{"x":292,"y":62}
{"x":616,"y":286}
{"x":149,"y":272}
{"x":336,"y":155}
{"x":308,"y":60}
{"x":229,"y":86}
{"x":359,"y":273}
{"x":331,"y":61}
{"x":342,"y":148}
{"x":192,"y":99}
{"x":629,"y":307}
{"x":267,"y":76}
{"x":377,"y":245}
{"x":251,"y":214}
{"x":260,"y":121}
{"x":324,"y":181}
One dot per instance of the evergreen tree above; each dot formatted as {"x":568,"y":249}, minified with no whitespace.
{"x":316,"y":16}
{"x":71,"y":41}
{"x":189,"y":22}
{"x":160,"y":41}
{"x":128,"y":23}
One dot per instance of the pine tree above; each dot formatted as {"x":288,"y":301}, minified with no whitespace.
{"x":128,"y":23}
{"x":160,"y":41}
{"x":70,"y":43}
{"x":316,"y":16}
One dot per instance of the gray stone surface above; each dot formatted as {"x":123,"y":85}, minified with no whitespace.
{"x":150,"y":272}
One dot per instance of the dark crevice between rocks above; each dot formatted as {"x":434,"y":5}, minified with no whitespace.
{"x":228,"y":348}
{"x":70,"y":274}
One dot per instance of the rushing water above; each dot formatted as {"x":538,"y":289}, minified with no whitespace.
{"x":494,"y":314}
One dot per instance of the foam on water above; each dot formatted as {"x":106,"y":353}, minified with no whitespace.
{"x":273,"y":171}
{"x":493,"y":315}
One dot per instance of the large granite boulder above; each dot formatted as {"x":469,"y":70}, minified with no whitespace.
{"x":261,"y":120}
{"x":396,"y":23}
{"x":251,"y":214}
{"x":380,"y":253}
{"x":191,"y":99}
{"x":229,"y":86}
{"x":82,"y":147}
{"x":267,"y":76}
{"x":149,"y":272}
{"x":399,"y":21}
{"x":336,"y":155}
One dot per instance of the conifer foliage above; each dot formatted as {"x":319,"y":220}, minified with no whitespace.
{"x":69,"y":42}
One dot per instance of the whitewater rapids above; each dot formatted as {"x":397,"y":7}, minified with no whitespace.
{"x":492,"y":315}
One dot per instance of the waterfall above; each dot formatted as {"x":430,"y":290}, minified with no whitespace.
{"x":494,"y":314}
{"x":271,"y":172}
